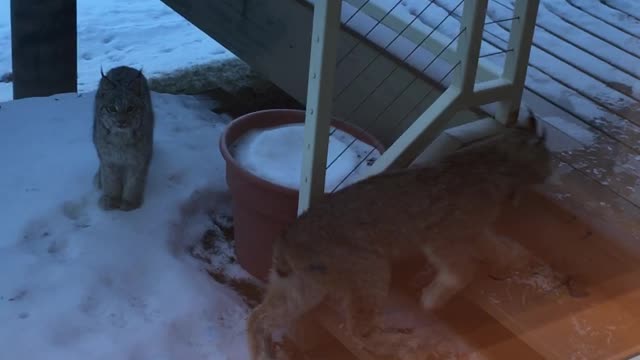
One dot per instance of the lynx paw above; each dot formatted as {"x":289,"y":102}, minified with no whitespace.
{"x":364,"y":327}
{"x":97,"y":180}
{"x":365,"y":332}
{"x":129,"y":205}
{"x":431,"y":301}
{"x":109,"y":202}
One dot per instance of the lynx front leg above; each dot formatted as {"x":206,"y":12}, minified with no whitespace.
{"x":287,"y":299}
{"x":134,"y":185}
{"x":370,"y":287}
{"x":454,"y":271}
{"x":111,"y":181}
{"x":97,"y":179}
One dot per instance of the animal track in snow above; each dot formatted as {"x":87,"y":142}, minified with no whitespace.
{"x":51,"y":234}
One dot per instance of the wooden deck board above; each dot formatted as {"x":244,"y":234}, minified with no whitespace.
{"x":537,"y":314}
{"x":582,"y":230}
{"x":460,"y":331}
{"x":601,"y":325}
{"x":594,"y":26}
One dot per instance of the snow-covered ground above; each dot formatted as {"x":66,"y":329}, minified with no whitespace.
{"x":81,"y":283}
{"x":141,"y":33}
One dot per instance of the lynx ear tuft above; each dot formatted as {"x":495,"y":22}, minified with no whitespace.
{"x":512,"y":120}
{"x":543,"y":135}
{"x":107,"y":78}
{"x":532,"y":121}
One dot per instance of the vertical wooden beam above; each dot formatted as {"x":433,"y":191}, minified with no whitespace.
{"x":517,"y":61}
{"x":44,"y":47}
{"x":324,"y":38}
{"x":469,"y":42}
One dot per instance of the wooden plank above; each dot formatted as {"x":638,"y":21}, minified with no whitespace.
{"x":599,"y":57}
{"x":515,"y":67}
{"x":460,"y":331}
{"x":469,"y":42}
{"x":602,"y":325}
{"x":326,"y":25}
{"x":43,"y":47}
{"x":609,"y":158}
{"x":581,"y":301}
{"x":555,"y":56}
{"x":600,"y":156}
{"x":594,"y":26}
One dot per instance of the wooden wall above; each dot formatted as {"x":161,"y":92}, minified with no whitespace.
{"x":44,"y":47}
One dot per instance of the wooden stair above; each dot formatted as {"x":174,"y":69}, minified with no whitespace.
{"x":579,"y":299}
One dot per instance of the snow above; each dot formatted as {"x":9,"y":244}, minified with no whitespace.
{"x":143,"y":33}
{"x":79,"y":282}
{"x":576,"y":131}
{"x":275,"y":154}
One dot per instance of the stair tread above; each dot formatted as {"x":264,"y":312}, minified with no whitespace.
{"x":535,"y":314}
{"x":459,"y":331}
{"x":601,"y":323}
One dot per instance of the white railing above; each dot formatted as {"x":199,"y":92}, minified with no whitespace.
{"x":472,"y":85}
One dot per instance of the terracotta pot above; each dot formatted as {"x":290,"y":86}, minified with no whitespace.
{"x":262,"y":209}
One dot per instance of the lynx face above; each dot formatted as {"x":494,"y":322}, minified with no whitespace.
{"x":122,"y":104}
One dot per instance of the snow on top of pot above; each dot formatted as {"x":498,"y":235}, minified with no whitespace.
{"x":275,"y":154}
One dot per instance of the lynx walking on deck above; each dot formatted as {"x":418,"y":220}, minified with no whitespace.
{"x":343,"y":246}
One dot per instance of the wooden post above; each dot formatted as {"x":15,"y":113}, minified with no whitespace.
{"x":324,"y":38}
{"x":44,"y":47}
{"x":469,"y":42}
{"x":517,"y":61}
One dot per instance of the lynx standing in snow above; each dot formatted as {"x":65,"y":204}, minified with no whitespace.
{"x":342,"y":247}
{"x":123,"y":136}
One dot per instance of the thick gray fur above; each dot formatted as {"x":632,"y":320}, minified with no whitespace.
{"x":123,"y":136}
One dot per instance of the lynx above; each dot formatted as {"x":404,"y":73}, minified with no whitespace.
{"x":343,"y":246}
{"x":123,"y":136}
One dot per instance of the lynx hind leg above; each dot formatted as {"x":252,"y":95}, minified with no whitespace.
{"x":506,"y":255}
{"x":287,"y":299}
{"x":134,"y":186}
{"x":454,"y":271}
{"x":369,"y":289}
